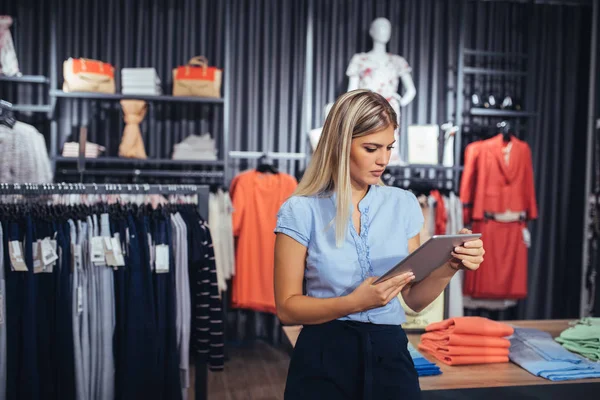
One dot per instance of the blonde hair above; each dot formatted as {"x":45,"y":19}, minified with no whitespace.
{"x":354,"y":114}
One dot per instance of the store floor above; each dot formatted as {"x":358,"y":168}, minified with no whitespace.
{"x":255,"y":371}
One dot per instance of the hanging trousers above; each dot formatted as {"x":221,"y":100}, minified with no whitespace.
{"x":352,"y":360}
{"x":3,"y":359}
{"x":119,"y":227}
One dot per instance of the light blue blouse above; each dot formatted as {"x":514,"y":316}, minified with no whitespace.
{"x":389,"y":217}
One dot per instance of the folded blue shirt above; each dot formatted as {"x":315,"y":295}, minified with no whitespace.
{"x":538,"y":353}
{"x":423,"y":366}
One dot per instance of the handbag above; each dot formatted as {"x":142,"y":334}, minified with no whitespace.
{"x":197,"y":79}
{"x":85,"y":75}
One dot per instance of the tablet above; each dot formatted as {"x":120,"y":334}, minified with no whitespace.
{"x":429,"y":256}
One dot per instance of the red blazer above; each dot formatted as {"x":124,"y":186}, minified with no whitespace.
{"x":467,"y":181}
{"x":500,"y":187}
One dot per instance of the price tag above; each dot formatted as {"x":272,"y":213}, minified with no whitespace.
{"x":50,"y":268}
{"x":79,"y":299}
{"x":98,"y":251}
{"x":109,"y":252}
{"x":162,"y":259}
{"x":48,"y":252}
{"x":38,"y":264}
{"x":15,"y":251}
{"x":118,"y":252}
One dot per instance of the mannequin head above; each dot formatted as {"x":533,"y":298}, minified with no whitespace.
{"x":381,"y":30}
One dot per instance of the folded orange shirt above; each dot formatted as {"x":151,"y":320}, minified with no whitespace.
{"x":465,"y":360}
{"x":435,"y":347}
{"x":457,"y":339}
{"x":472,"y":326}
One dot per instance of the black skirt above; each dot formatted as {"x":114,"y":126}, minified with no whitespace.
{"x":352,"y":360}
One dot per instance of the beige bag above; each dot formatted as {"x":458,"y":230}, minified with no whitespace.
{"x":197,"y":79}
{"x":84,"y":75}
{"x":132,"y":144}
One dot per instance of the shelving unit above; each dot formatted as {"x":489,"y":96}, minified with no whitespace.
{"x":149,"y":98}
{"x":28,"y":79}
{"x":465,"y":76}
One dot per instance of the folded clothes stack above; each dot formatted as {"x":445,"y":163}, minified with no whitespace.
{"x":92,"y":150}
{"x":538,"y":353}
{"x":467,"y":340}
{"x":423,"y":366}
{"x":583,"y":338}
{"x":143,"y":81}
{"x":195,"y":147}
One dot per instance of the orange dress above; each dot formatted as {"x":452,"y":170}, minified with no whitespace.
{"x":492,"y":186}
{"x":256,"y":199}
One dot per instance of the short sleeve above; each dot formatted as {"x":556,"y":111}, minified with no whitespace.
{"x":401,"y":66}
{"x":354,"y":67}
{"x":414,"y":215}
{"x":294,"y":220}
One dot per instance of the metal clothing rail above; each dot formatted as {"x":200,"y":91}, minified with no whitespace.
{"x":269,"y":154}
{"x":202,"y":191}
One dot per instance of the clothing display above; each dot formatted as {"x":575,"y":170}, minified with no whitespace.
{"x":9,"y":65}
{"x":423,"y":366}
{"x":498,"y":195}
{"x":256,"y":199}
{"x":196,"y":147}
{"x":467,"y":340}
{"x":144,"y":81}
{"x":132,"y":143}
{"x":383,"y":77}
{"x":333,"y":271}
{"x":220,"y":212}
{"x":583,"y":338}
{"x":92,"y":150}
{"x":105,"y":301}
{"x":2,"y":318}
{"x":538,"y":353}
{"x":24,"y":155}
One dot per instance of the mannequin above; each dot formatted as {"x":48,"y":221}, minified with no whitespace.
{"x":315,"y":134}
{"x":382,"y":72}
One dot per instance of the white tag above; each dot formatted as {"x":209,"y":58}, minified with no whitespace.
{"x":79,"y":299}
{"x":76,"y":250}
{"x":98,"y":251}
{"x":15,"y":253}
{"x":162,"y":258}
{"x":117,"y":252}
{"x":152,"y":249}
{"x":108,"y":252}
{"x":48,"y":253}
{"x":526,"y":237}
{"x":38,"y":265}
{"x":54,"y":246}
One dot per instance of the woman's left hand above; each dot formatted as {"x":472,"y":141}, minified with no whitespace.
{"x":469,"y":255}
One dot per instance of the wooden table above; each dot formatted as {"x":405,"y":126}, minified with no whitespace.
{"x":486,"y":376}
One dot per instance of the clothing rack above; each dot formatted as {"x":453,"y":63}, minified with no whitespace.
{"x":202,"y":191}
{"x":432,"y":176}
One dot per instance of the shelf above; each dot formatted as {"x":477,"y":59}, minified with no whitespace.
{"x":132,"y":161}
{"x":423,"y":166}
{"x":41,"y":108}
{"x":486,"y":71}
{"x":146,"y":173}
{"x":24,"y":79}
{"x":484,"y":112}
{"x":119,"y":96}
{"x":494,"y":53}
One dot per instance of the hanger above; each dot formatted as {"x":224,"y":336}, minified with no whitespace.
{"x":7,"y":116}
{"x":264,"y":167}
{"x":505,"y":127}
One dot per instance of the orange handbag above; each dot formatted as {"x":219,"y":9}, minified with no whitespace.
{"x":197,"y":79}
{"x":85,"y":75}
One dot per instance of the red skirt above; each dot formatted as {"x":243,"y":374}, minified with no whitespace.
{"x":503,"y":273}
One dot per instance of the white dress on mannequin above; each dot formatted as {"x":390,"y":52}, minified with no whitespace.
{"x":382,"y":72}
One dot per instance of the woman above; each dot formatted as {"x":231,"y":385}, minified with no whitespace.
{"x":340,"y":230}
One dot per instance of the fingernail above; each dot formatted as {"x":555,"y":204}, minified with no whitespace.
{"x":456,"y":248}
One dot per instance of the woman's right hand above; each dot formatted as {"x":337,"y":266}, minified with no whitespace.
{"x":367,"y":296}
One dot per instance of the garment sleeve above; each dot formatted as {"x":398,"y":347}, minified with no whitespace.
{"x":532,"y":211}
{"x":402,"y":66}
{"x":467,"y":182}
{"x":238,"y":201}
{"x":294,"y":219}
{"x":354,"y":66}
{"x":414,"y":215}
